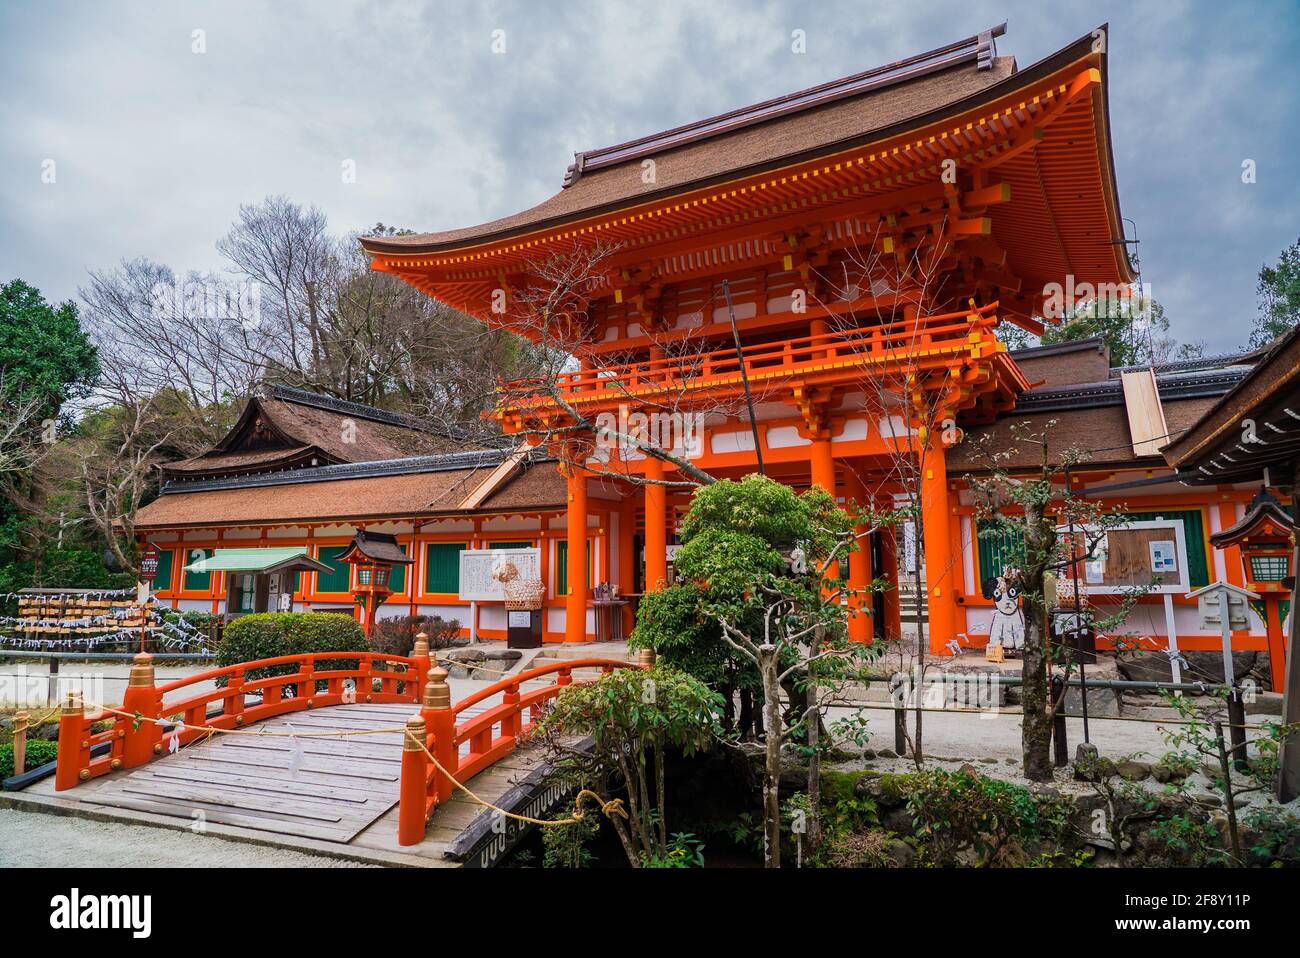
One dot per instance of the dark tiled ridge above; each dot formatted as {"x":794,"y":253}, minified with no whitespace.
{"x":478,"y":459}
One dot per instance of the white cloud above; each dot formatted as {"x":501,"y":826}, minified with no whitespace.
{"x":157,"y":146}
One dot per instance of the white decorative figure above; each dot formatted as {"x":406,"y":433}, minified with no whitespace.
{"x":798,"y":560}
{"x":1007,"y":627}
{"x":349,"y":692}
{"x":174,"y":741}
{"x":503,"y":570}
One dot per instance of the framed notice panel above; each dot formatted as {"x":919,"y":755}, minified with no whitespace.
{"x":1148,"y":553}
{"x":476,"y":565}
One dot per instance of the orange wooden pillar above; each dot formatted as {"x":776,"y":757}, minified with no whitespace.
{"x":941,"y":592}
{"x":893,"y":624}
{"x":823,"y":474}
{"x":1277,"y":642}
{"x":627,"y":557}
{"x":575,"y":605}
{"x":860,"y":571}
{"x":656,"y":529}
{"x":823,"y":464}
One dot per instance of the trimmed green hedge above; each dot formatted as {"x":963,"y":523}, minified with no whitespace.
{"x":267,"y":635}
{"x":38,"y":753}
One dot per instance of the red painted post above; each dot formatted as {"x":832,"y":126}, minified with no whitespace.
{"x":365,"y":682}
{"x":510,"y":724}
{"x":437,"y":701}
{"x":307,"y":687}
{"x":141,"y":697}
{"x":234,"y":704}
{"x":565,"y":677}
{"x":72,"y":729}
{"x":413,"y":797}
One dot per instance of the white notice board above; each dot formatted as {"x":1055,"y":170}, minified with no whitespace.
{"x":476,"y":565}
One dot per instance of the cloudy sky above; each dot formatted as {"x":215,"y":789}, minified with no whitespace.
{"x":155,"y":145}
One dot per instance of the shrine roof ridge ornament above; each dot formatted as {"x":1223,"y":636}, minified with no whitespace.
{"x":978,"y":49}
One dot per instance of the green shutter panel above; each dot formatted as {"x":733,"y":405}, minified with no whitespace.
{"x":197,"y":581}
{"x":442,"y":567}
{"x":997,"y":551}
{"x":163,"y":580}
{"x":562,"y":566}
{"x":397,"y":579}
{"x":339,"y":578}
{"x":510,"y":545}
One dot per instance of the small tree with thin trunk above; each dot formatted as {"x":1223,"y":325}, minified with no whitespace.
{"x":763,"y":561}
{"x":1028,"y":504}
{"x":633,"y":716}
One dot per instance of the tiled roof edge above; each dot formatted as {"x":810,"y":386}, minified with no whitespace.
{"x":1193,"y":384}
{"x":478,"y":459}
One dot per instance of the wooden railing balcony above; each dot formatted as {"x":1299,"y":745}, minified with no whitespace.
{"x":840,"y":357}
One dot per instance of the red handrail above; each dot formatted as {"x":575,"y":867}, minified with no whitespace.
{"x":491,"y":736}
{"x":135,"y":743}
{"x":137,"y":738}
{"x":880,"y":341}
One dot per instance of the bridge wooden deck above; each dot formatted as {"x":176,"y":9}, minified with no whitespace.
{"x":327,"y":795}
{"x":259,"y":761}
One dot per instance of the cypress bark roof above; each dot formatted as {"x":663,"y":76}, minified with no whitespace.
{"x":288,"y":428}
{"x":817,"y":120}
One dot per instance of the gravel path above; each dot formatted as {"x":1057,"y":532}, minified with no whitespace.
{"x":33,"y":840}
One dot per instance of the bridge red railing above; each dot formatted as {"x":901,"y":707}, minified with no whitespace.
{"x":318,"y":679}
{"x":491,"y":735}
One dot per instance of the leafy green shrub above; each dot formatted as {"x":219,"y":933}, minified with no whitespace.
{"x":633,"y":716}
{"x":957,"y":812}
{"x":1178,"y":764}
{"x":38,"y":753}
{"x":1275,"y":837}
{"x":566,"y":845}
{"x":684,"y":850}
{"x":1188,"y":841}
{"x":267,"y":635}
{"x":397,"y":636}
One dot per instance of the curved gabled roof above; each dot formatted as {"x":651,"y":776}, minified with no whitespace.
{"x":287,"y":428}
{"x":740,"y":142}
{"x":1040,"y":135}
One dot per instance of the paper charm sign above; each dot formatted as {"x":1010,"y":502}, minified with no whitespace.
{"x":1164,"y":555}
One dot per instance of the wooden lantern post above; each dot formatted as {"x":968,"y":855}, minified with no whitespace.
{"x":373,"y":555}
{"x":1265,"y":537}
{"x":148,"y":572}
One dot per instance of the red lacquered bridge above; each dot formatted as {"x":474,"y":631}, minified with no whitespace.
{"x":323,"y":750}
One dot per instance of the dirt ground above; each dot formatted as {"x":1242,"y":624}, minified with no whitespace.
{"x":33,"y":840}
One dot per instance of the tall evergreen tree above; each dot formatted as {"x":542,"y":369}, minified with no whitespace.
{"x":1279,"y":297}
